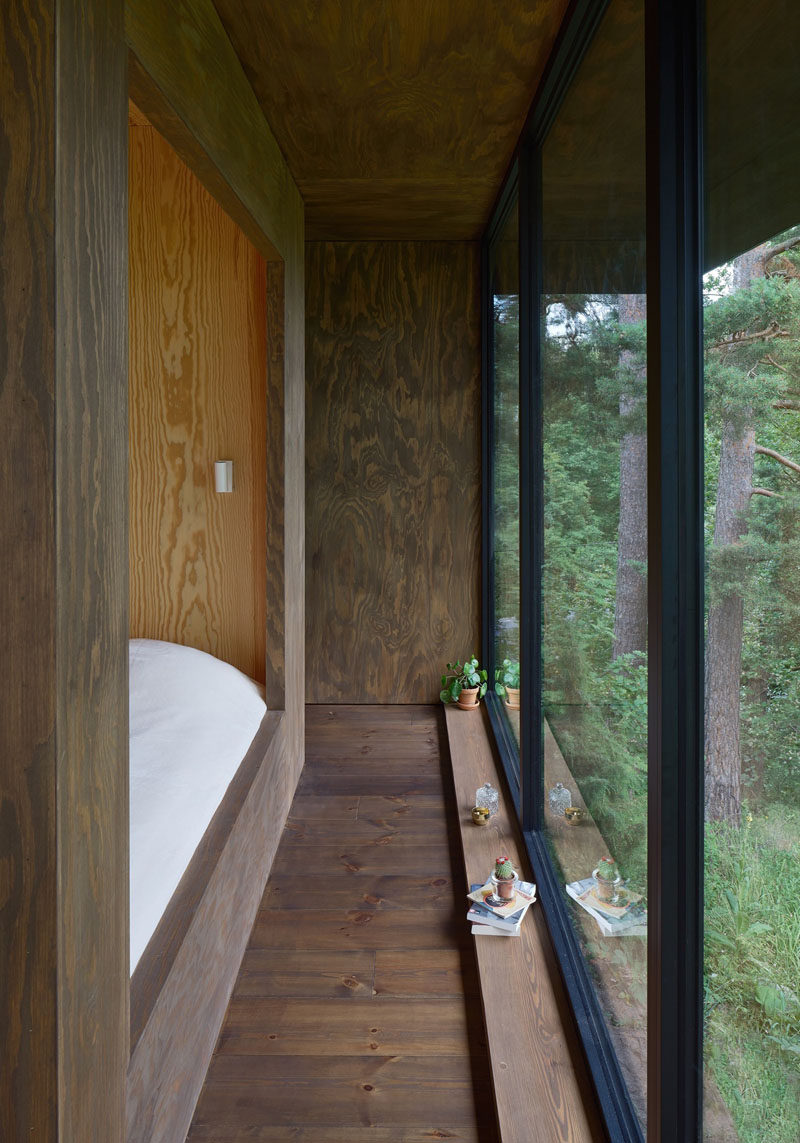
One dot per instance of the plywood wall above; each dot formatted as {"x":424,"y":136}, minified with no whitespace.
{"x":393,"y":467}
{"x":197,"y":394}
{"x":63,"y":596}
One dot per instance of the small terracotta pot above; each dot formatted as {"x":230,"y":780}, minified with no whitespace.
{"x":512,"y":698}
{"x":468,"y":699}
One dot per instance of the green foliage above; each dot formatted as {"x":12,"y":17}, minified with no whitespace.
{"x":460,"y":676}
{"x":752,"y":970}
{"x":507,"y":676}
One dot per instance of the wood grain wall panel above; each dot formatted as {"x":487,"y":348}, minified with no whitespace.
{"x":189,"y":82}
{"x":91,"y":537}
{"x":28,"y":899}
{"x":197,"y":393}
{"x":63,"y":597}
{"x":393,"y":467}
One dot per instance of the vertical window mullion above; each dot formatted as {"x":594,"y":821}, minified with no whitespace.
{"x":675,"y":525}
{"x":531,"y":493}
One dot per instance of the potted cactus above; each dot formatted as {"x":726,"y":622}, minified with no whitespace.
{"x":608,"y":880}
{"x":464,"y":685}
{"x":507,"y":682}
{"x":503,"y":880}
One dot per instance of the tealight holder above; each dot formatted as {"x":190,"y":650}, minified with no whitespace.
{"x":488,"y":797}
{"x":480,"y":815}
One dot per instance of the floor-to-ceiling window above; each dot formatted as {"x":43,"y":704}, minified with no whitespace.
{"x":504,"y":285}
{"x":594,"y":517}
{"x":656,"y":606}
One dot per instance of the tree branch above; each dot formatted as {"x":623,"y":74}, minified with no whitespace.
{"x":769,"y":334}
{"x":793,"y":405}
{"x":781,"y":248}
{"x":777,"y":456}
{"x":765,"y":492}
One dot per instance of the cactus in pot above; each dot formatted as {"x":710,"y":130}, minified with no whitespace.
{"x":503,"y":878}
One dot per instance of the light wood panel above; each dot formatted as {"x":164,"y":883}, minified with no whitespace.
{"x":393,"y":486}
{"x":197,"y":382}
{"x":398,"y":119}
{"x":63,"y":597}
{"x":351,"y":1011}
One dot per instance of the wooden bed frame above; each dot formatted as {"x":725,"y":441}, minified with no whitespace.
{"x":183,"y":981}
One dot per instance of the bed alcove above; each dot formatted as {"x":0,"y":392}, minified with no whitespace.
{"x":202,"y":387}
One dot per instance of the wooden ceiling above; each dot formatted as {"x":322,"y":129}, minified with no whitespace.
{"x":397,"y":118}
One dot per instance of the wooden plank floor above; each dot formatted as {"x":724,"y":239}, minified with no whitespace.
{"x":356,"y":1015}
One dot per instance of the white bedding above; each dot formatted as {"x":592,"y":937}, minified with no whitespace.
{"x":192,"y":719}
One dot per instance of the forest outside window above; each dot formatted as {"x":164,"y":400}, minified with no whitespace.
{"x":751,"y":350}
{"x":600,"y":376}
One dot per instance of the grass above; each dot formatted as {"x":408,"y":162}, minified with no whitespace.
{"x":753,"y":972}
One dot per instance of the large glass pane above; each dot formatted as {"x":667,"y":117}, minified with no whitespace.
{"x":505,"y":468}
{"x":752,"y":525}
{"x":594,"y":576}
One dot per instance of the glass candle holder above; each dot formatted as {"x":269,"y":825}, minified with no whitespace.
{"x":488,"y":798}
{"x":559,"y":798}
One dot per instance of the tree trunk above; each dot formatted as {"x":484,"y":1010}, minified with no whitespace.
{"x":630,"y":607}
{"x":724,"y":641}
{"x":723,"y":765}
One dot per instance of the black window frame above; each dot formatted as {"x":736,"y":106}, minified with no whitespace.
{"x":674,"y":88}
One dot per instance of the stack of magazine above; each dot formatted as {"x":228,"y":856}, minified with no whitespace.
{"x":626,"y":918}
{"x":501,"y":920}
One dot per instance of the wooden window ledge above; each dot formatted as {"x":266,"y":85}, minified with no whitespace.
{"x":541,"y":1083}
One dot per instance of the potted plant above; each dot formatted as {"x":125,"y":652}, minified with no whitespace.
{"x":503,"y":880}
{"x":607,"y":879}
{"x":465,"y":685}
{"x":507,"y":682}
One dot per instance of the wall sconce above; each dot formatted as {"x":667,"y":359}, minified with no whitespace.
{"x":223,"y":475}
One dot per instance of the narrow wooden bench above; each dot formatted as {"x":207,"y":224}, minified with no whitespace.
{"x":543,"y":1091}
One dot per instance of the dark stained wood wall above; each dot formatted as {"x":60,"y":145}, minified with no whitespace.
{"x":63,"y":599}
{"x":393,"y":463}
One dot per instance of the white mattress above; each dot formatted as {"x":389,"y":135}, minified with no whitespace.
{"x":192,"y":719}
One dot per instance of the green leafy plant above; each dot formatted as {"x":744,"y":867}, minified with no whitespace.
{"x":507,"y":676}
{"x":460,"y":676}
{"x":741,"y":931}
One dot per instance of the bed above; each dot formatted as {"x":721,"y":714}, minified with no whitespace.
{"x":192,"y":720}
{"x":204,"y":757}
